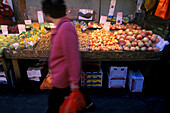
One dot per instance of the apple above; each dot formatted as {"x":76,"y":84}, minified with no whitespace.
{"x":143,"y":34}
{"x":137,"y":48}
{"x":136,"y":32}
{"x":132,"y":38}
{"x":153,"y":39}
{"x":130,"y":33}
{"x":122,"y":42}
{"x":132,"y":49}
{"x":139,"y":37}
{"x":134,"y":43}
{"x":147,"y":44}
{"x":128,"y":44}
{"x":150,"y":48}
{"x":128,"y":37}
{"x":140,"y":44}
{"x":143,"y":48}
{"x":146,"y":39}
{"x":156,"y":49}
{"x":149,"y":32}
{"x":126,"y":48}
{"x":156,"y":40}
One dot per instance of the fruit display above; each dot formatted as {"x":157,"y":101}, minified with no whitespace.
{"x":95,"y":25}
{"x":102,"y":40}
{"x":83,"y":41}
{"x":135,"y":40}
{"x":124,"y":27}
{"x":44,"y":42}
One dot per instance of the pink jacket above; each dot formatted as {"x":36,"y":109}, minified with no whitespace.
{"x":64,"y":60}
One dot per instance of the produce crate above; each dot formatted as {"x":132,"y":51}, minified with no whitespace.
{"x":118,"y":72}
{"x":135,"y":81}
{"x":91,"y":79}
{"x":3,"y":79}
{"x":117,"y":83}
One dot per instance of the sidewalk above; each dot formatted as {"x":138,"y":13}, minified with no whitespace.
{"x":12,"y":101}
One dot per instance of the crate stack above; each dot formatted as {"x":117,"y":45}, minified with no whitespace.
{"x":117,"y":77}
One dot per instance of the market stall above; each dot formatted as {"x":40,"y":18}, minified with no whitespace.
{"x":111,"y":38}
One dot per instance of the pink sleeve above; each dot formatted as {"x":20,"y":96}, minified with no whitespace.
{"x":72,"y":54}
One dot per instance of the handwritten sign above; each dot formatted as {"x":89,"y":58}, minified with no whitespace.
{"x":28,"y":22}
{"x":85,"y":14}
{"x":107,"y":26}
{"x":112,"y":7}
{"x":21,"y":28}
{"x":36,"y":25}
{"x":4,"y":29}
{"x":119,"y":18}
{"x":103,"y":19}
{"x":40,"y":17}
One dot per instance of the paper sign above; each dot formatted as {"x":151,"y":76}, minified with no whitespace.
{"x":107,"y":26}
{"x":103,"y":19}
{"x":36,"y":25}
{"x":27,"y":22}
{"x":21,"y":28}
{"x":112,"y":7}
{"x":4,"y":29}
{"x":40,"y":17}
{"x":119,"y":18}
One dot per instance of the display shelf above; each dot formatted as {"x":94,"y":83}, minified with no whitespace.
{"x":86,"y":55}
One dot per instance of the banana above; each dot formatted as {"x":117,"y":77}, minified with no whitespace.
{"x":150,"y":4}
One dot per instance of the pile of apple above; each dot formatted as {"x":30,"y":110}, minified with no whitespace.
{"x":102,"y":40}
{"x":94,"y":25}
{"x":124,"y":27}
{"x":135,"y":40}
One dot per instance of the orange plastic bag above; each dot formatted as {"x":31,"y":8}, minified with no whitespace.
{"x":75,"y":102}
{"x":163,"y":9}
{"x":47,"y":83}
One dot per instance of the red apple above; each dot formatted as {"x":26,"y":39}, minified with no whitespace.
{"x":143,"y":48}
{"x":126,"y":48}
{"x":139,"y":37}
{"x":156,"y":49}
{"x":150,"y":48}
{"x":140,"y":44}
{"x":132,"y":49}
{"x":132,"y":38}
{"x":149,"y":32}
{"x":157,"y":40}
{"x":134,"y":43}
{"x":146,"y":39}
{"x":137,"y":48}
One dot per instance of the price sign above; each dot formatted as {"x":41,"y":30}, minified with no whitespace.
{"x":112,"y":7}
{"x":103,"y":19}
{"x":107,"y":26}
{"x":40,"y":17}
{"x":119,"y":18}
{"x":36,"y":25}
{"x":27,"y":22}
{"x":85,"y":14}
{"x":21,"y":28}
{"x":4,"y":29}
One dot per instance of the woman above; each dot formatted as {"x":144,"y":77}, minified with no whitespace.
{"x":6,"y":14}
{"x":64,"y":60}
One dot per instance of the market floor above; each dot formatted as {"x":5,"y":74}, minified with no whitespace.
{"x":12,"y":101}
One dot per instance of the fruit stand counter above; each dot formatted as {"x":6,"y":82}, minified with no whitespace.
{"x":85,"y":55}
{"x":15,"y":55}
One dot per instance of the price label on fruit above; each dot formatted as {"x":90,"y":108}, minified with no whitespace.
{"x":103,"y":19}
{"x":27,"y":22}
{"x":4,"y":29}
{"x":21,"y":28}
{"x":119,"y":18}
{"x":40,"y":17}
{"x":107,"y":26}
{"x":112,"y":7}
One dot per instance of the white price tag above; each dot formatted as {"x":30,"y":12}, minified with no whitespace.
{"x":103,"y":19}
{"x":112,"y":7}
{"x":28,"y":22}
{"x":4,"y":29}
{"x":119,"y":18}
{"x":40,"y":17}
{"x":21,"y":28}
{"x":107,"y":26}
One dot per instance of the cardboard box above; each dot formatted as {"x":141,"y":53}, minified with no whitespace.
{"x":118,"y":72}
{"x":34,"y":72}
{"x":135,"y":81}
{"x":117,"y":83}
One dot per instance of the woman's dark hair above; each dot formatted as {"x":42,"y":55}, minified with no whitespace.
{"x":54,"y":8}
